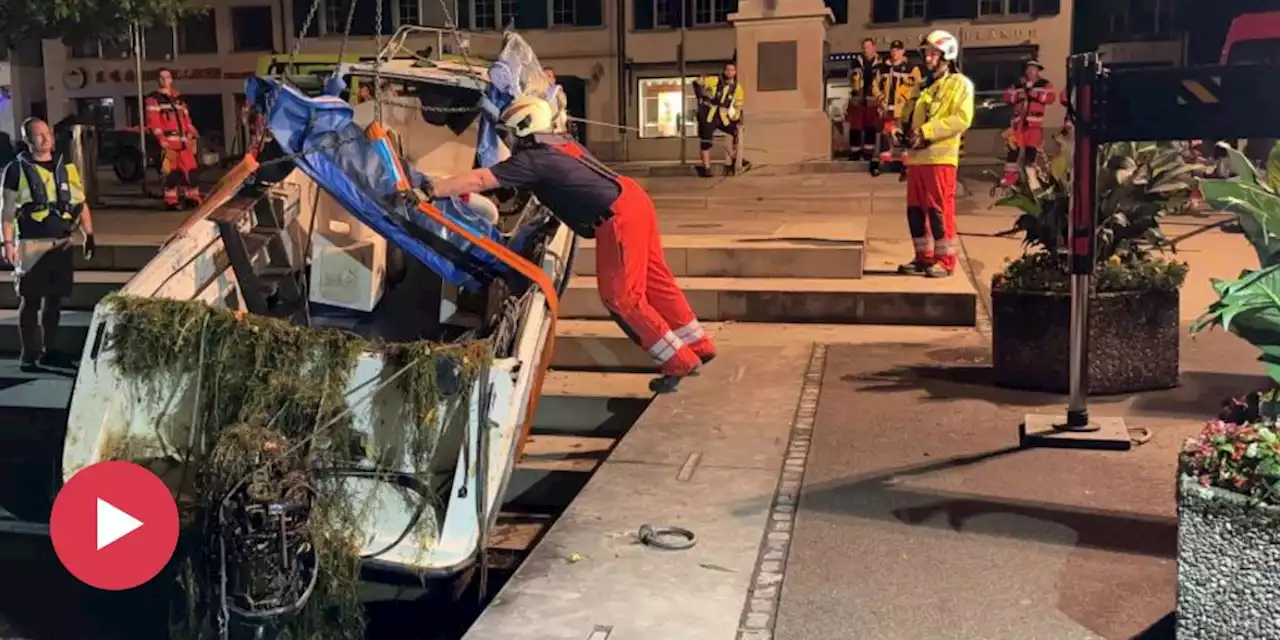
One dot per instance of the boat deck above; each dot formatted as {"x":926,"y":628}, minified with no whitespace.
{"x":722,"y":457}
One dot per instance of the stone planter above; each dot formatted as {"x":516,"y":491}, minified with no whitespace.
{"x":1133,"y":341}
{"x":1228,"y":565}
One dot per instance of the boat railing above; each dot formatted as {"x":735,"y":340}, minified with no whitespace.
{"x":447,"y":42}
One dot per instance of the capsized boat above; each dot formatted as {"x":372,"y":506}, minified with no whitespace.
{"x":333,"y":375}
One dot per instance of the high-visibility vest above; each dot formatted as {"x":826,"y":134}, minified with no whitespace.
{"x":720,"y":97}
{"x":40,"y":215}
{"x":941,"y":112}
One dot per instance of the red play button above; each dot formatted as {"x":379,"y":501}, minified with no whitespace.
{"x":114,"y":525}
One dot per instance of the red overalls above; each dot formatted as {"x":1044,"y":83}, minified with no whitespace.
{"x":635,"y":283}
{"x":1029,"y":101}
{"x":169,"y":120}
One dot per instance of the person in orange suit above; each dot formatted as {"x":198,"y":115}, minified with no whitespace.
{"x":634,"y":281}
{"x":169,"y":120}
{"x":1030,"y":97}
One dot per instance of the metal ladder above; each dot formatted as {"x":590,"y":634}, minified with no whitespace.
{"x":265,"y":267}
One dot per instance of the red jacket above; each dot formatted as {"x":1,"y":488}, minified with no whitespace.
{"x":1029,"y":101}
{"x":169,"y":120}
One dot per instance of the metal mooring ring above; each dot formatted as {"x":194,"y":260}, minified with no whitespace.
{"x":661,"y":537}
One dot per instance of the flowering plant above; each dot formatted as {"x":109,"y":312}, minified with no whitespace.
{"x":1240,"y":458}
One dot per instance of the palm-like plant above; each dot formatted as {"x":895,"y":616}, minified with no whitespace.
{"x":1249,"y":306}
{"x":1139,"y":184}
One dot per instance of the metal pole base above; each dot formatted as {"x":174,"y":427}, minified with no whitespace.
{"x":1052,"y":431}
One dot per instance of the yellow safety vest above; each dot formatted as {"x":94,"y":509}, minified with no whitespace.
{"x":719,"y":101}
{"x":941,"y":112}
{"x":49,"y":210}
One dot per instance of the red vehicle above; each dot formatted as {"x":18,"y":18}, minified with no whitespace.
{"x":1254,"y":38}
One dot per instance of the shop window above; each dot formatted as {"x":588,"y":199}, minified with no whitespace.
{"x":890,"y":11}
{"x":252,"y":29}
{"x":661,"y":14}
{"x":99,"y":112}
{"x":84,"y":48}
{"x":993,"y":70}
{"x":409,"y":12}
{"x":364,"y":22}
{"x":198,"y":33}
{"x":662,"y":109}
{"x":159,"y":43}
{"x":206,"y":115}
{"x":990,"y":8}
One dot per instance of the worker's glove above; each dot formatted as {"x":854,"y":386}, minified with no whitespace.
{"x":918,"y":141}
{"x":426,"y":189}
{"x":89,"y":247}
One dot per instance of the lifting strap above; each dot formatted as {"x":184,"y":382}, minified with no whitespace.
{"x":377,"y":133}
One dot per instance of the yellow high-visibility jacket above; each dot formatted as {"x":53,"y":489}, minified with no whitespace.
{"x":720,"y":101}
{"x":895,"y":83}
{"x":941,"y":112}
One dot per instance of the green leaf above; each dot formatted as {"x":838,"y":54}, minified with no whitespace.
{"x":1257,"y":209}
{"x":1240,"y":164}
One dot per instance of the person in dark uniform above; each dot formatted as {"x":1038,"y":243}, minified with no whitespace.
{"x":635,"y":283}
{"x":43,"y":203}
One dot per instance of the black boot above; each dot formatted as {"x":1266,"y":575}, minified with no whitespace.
{"x":704,"y":171}
{"x":913,"y":268}
{"x":875,"y":168}
{"x":665,"y":384}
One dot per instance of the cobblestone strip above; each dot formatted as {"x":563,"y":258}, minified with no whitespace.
{"x":760,"y":611}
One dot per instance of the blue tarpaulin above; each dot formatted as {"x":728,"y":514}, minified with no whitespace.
{"x":335,"y":152}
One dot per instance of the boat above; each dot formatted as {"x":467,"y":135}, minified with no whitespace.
{"x":335,"y":383}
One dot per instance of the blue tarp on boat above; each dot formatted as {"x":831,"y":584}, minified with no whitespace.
{"x":334,"y":152}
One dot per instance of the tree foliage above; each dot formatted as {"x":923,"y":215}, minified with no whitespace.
{"x":21,"y":20}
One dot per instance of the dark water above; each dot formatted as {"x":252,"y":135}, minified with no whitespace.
{"x":39,"y":600}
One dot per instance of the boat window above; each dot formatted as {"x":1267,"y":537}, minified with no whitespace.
{"x":1255,"y":51}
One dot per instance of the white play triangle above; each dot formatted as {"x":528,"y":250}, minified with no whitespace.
{"x":113,"y":523}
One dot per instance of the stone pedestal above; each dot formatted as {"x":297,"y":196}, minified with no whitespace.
{"x":781,"y":62}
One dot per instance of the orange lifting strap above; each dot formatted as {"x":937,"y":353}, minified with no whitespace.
{"x":376,"y":131}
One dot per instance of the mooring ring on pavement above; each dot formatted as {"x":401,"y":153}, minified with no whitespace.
{"x":668,"y":538}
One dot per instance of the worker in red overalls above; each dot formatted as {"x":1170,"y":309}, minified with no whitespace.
{"x":1030,"y":97}
{"x":864,"y":111}
{"x":635,"y":283}
{"x":169,"y":120}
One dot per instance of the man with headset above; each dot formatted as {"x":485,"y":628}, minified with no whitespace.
{"x":43,"y":203}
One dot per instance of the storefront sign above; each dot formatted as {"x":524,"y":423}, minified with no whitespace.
{"x":969,"y":36}
{"x":129,"y":76}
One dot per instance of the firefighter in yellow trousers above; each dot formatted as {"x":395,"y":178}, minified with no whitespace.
{"x":935,"y":120}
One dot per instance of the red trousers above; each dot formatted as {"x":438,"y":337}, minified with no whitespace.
{"x":638,"y":288}
{"x":1027,"y":141}
{"x":177,"y":164}
{"x":931,"y":213}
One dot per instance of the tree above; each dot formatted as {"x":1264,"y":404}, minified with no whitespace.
{"x":75,"y":19}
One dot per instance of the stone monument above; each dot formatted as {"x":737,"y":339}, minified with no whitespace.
{"x":781,"y":64}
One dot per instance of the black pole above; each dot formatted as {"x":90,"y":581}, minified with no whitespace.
{"x":1083,"y":71}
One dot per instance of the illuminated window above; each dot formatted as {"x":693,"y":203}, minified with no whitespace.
{"x":661,"y":107}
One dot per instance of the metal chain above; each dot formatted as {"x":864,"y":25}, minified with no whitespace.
{"x":377,"y":64}
{"x":346,"y":31}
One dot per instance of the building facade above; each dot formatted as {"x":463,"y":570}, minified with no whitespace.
{"x":618,"y":61}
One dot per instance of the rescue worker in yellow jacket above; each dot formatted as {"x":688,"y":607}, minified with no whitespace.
{"x":720,"y":101}
{"x":933,"y":125}
{"x":896,"y":81}
{"x":43,"y":203}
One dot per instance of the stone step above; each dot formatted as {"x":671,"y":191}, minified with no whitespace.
{"x":795,"y":250}
{"x":89,"y":288}
{"x":113,"y":254}
{"x":678,"y":170}
{"x":873,"y":299}
{"x":596,"y":346}
{"x":591,"y":402}
{"x":73,"y":329}
{"x":853,"y":202}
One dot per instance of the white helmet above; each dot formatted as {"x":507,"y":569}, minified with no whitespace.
{"x":942,"y":41}
{"x":528,"y":115}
